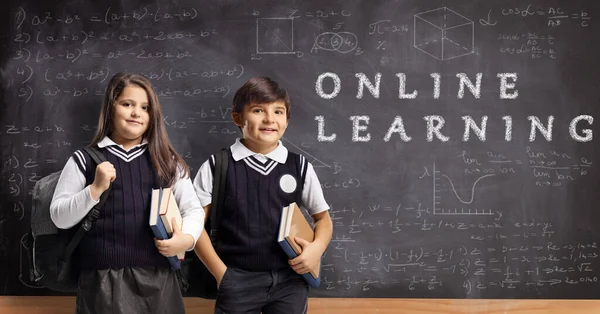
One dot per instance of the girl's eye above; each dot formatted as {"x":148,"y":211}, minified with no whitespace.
{"x":145,"y":108}
{"x":126,"y":104}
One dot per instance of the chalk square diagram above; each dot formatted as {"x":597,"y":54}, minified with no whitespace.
{"x":275,"y":35}
{"x":443,"y":34}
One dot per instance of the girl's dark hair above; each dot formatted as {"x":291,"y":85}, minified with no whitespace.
{"x":163,"y":155}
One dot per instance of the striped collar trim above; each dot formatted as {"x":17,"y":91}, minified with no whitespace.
{"x":119,"y":151}
{"x":262,"y":168}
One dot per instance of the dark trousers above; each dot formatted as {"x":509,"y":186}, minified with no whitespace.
{"x":282,"y":291}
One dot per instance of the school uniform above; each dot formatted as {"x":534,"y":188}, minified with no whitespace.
{"x":121,"y":268}
{"x":258,"y":277}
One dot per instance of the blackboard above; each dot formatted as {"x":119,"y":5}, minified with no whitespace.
{"x":389,"y":100}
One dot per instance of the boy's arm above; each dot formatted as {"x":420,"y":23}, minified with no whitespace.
{"x":312,"y":251}
{"x":314,"y":202}
{"x":204,"y":249}
{"x":207,"y":254}
{"x":313,"y":199}
{"x":323,"y":230}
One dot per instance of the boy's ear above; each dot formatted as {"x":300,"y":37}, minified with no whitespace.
{"x":237,"y":119}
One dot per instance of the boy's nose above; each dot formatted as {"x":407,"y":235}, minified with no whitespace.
{"x":268,"y":117}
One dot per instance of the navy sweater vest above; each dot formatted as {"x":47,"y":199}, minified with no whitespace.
{"x":255,"y":195}
{"x":121,"y":236}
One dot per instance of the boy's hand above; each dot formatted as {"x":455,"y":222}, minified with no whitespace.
{"x":220,"y":277}
{"x":105,"y":174}
{"x":178,"y":243}
{"x":308,"y":259}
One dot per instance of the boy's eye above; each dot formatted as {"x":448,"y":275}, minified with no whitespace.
{"x":257,"y":110}
{"x":279,"y":111}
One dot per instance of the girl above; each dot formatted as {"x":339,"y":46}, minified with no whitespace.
{"x":122,"y":269}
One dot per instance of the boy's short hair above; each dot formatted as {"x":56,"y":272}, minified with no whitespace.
{"x":260,"y":90}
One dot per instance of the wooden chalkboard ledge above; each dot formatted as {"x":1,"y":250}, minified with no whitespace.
{"x":60,"y":305}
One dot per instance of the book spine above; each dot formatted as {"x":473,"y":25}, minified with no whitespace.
{"x":287,"y":248}
{"x":174,"y":261}
{"x":161,"y":233}
{"x":314,"y":283}
{"x":159,"y":230}
{"x":157,"y":233}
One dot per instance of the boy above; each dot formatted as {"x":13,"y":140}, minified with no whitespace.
{"x":253,"y":273}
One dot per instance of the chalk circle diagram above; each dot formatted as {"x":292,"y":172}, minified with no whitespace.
{"x":342,"y":42}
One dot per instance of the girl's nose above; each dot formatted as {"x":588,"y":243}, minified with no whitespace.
{"x":135,"y":112}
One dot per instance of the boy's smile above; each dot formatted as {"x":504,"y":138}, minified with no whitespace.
{"x":262,"y":125}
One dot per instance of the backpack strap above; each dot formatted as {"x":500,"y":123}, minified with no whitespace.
{"x":302,"y":170}
{"x":218,"y":193}
{"x":89,"y":219}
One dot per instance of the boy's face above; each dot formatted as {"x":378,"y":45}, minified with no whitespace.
{"x":262,"y":125}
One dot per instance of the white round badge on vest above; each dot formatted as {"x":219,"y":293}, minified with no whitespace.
{"x":288,"y":183}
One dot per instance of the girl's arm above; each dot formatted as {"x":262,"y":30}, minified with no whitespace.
{"x":72,"y":199}
{"x":192,"y":212}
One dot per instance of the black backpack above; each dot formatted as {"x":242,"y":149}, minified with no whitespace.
{"x":53,"y":248}
{"x":201,"y":282}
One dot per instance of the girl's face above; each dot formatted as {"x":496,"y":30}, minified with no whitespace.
{"x":131,"y":116}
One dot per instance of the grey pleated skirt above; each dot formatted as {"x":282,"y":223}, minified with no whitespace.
{"x":129,"y":291}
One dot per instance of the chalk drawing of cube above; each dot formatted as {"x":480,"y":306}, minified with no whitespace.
{"x":275,"y":35}
{"x":443,"y":34}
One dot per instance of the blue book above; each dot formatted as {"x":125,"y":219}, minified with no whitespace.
{"x":157,"y":226}
{"x":293,"y":224}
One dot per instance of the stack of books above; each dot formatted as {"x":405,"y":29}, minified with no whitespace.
{"x":293,"y":224}
{"x":163,"y":209}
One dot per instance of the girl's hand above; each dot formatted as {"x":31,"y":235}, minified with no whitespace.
{"x":178,"y":243}
{"x":105,"y":174}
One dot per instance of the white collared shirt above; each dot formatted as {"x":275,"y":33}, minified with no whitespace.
{"x":72,"y":199}
{"x":312,"y":195}
{"x":106,"y":141}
